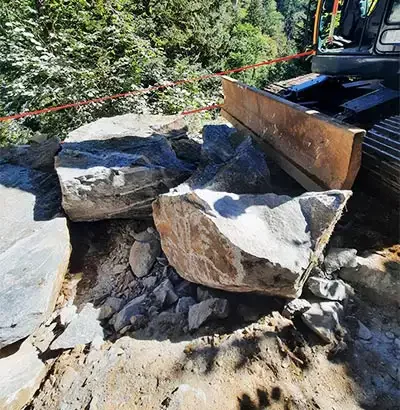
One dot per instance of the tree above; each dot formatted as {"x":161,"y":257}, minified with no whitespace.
{"x":59,"y":51}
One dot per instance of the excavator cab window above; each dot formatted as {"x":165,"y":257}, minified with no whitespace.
{"x":353,"y":26}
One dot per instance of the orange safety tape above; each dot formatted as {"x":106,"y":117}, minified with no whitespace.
{"x":154,"y":88}
{"x":208,"y":108}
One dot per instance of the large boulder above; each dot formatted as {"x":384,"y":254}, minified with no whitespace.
{"x":265,"y":243}
{"x":115,"y":167}
{"x":34,"y":250}
{"x":223,"y":229}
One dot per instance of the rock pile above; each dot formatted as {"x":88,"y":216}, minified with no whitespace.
{"x":219,"y":227}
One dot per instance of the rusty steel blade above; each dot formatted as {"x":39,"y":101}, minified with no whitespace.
{"x":317,"y":151}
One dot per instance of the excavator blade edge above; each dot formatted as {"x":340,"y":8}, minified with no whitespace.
{"x":317,"y":151}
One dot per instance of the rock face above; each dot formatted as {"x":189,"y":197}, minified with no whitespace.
{"x":34,"y":250}
{"x":116,"y":167}
{"x":264,"y":243}
{"x":378,"y":276}
{"x":20,"y":376}
{"x":83,"y":329}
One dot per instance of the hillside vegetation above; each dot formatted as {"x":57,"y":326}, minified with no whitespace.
{"x":59,"y":51}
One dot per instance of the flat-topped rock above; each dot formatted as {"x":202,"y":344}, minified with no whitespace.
{"x":116,"y":167}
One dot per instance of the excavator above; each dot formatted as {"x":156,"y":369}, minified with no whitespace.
{"x":341,"y":121}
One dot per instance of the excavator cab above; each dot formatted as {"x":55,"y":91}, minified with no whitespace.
{"x":358,"y":37}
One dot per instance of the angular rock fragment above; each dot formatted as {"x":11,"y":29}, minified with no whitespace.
{"x":218,"y":146}
{"x":363,"y":332}
{"x":328,"y":289}
{"x":67,"y":313}
{"x":136,"y":306}
{"x":164,"y":293}
{"x":244,"y":172}
{"x":378,"y":276}
{"x":185,"y":288}
{"x":184,"y":304}
{"x":340,"y":258}
{"x":324,"y":319}
{"x":209,"y":309}
{"x":115,"y":169}
{"x":20,"y":376}
{"x":295,"y":307}
{"x":82,"y":330}
{"x":149,"y":282}
{"x":264,"y":243}
{"x":166,"y":325}
{"x":110,"y":306}
{"x":143,"y":254}
{"x":34,"y":250}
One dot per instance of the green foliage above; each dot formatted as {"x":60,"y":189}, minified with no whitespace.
{"x":59,"y":51}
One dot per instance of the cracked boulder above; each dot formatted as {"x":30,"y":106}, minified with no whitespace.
{"x":242,"y":242}
{"x":115,"y":167}
{"x":34,"y":250}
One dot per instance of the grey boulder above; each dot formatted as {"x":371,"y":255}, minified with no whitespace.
{"x":34,"y":250}
{"x":209,"y":309}
{"x":243,"y":243}
{"x":36,"y":156}
{"x":244,"y":171}
{"x":116,"y":167}
{"x":83,"y":329}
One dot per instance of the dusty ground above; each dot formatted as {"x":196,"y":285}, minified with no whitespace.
{"x":258,"y":362}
